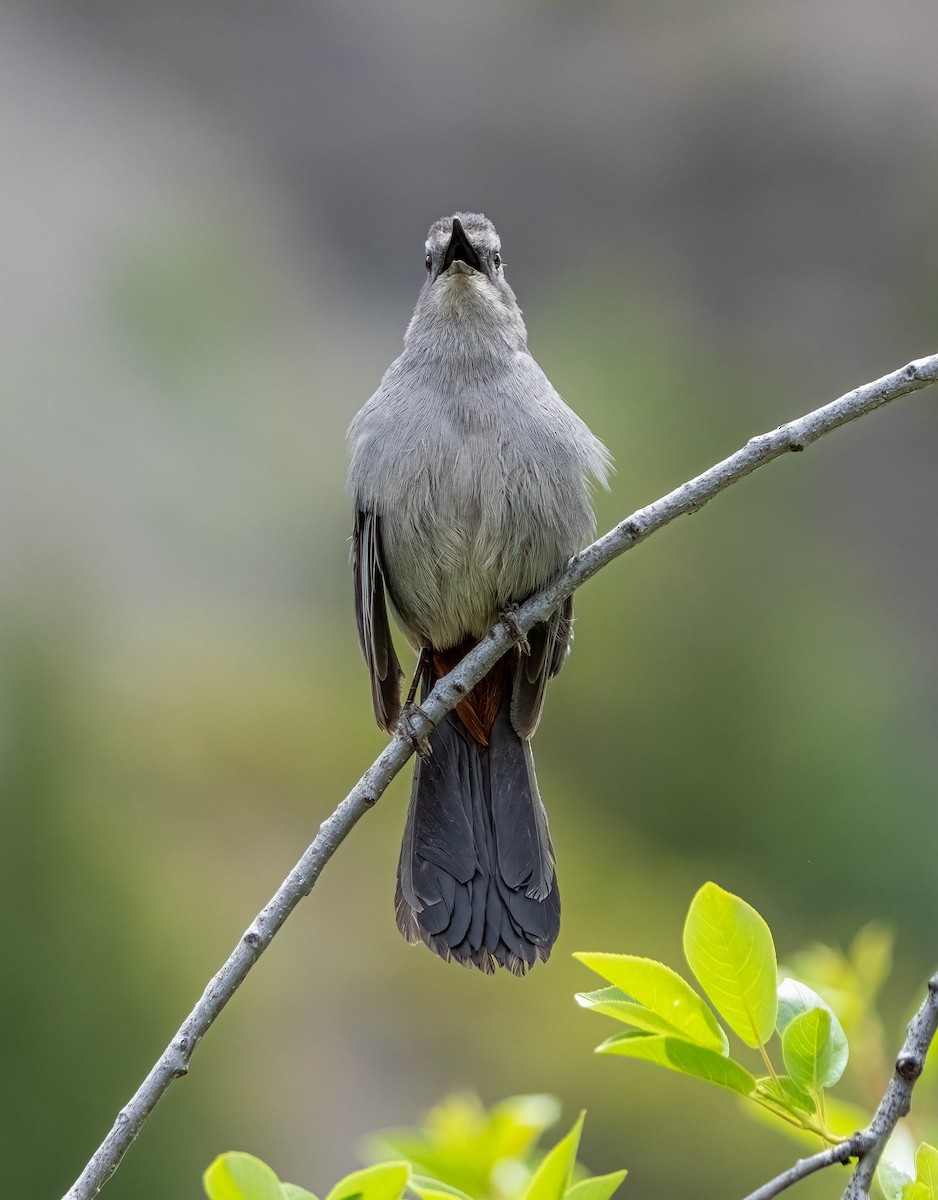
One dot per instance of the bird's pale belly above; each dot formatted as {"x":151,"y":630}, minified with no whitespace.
{"x":451,"y":575}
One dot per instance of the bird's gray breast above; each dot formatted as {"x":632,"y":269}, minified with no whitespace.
{"x":482,"y":498}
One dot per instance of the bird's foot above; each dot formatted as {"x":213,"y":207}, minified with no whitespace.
{"x":405,"y":730}
{"x":509,"y":619}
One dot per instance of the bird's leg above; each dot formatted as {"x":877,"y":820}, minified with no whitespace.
{"x":404,"y":728}
{"x":510,"y":620}
{"x":422,"y":660}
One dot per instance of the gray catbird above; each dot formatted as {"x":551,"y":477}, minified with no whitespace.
{"x":470,"y":478}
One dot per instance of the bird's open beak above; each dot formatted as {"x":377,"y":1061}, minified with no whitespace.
{"x":460,"y":250}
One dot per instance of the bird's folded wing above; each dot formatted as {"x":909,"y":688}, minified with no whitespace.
{"x":548,"y":644}
{"x":371,"y":612}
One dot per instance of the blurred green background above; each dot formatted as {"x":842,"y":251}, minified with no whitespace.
{"x":715,"y":217}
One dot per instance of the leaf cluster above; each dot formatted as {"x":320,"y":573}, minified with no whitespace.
{"x":731,"y":952}
{"x":463,"y":1151}
{"x":502,"y":1136}
{"x":488,"y":1153}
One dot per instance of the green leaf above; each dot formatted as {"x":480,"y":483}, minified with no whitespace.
{"x":386,"y":1181}
{"x":238,"y":1176}
{"x":552,"y":1177}
{"x":916,"y":1191}
{"x":470,"y":1147}
{"x":795,"y":998}
{"x":292,"y":1192}
{"x":730,"y":950}
{"x":892,"y":1179}
{"x":662,"y":992}
{"x":613,"y":1002}
{"x":434,"y":1189}
{"x":678,"y":1055}
{"x":926,"y":1168}
{"x":515,"y":1124}
{"x":813,"y":1058}
{"x":597,"y":1187}
{"x":783,"y":1091}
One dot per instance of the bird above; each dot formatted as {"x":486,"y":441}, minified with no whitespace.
{"x":472,"y":486}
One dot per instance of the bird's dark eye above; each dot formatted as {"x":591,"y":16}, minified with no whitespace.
{"x":497,"y":259}
{"x":429,"y":261}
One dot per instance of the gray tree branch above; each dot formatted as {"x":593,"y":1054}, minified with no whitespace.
{"x":898,"y":1097}
{"x":841,"y":1153}
{"x":867,"y":1146}
{"x":690,"y":496}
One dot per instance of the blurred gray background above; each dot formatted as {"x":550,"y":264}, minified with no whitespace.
{"x":715,"y":217}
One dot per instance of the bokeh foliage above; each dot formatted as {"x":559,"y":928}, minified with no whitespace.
{"x":459,"y":1146}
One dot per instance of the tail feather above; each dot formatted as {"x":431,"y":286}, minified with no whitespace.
{"x":522,"y":839}
{"x":476,"y":879}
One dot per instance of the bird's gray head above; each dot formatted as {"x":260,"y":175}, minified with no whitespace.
{"x":461,"y":245}
{"x":465,"y":282}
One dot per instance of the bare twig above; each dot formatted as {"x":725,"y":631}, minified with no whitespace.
{"x":689,"y":497}
{"x":868,"y":1145}
{"x":841,"y":1153}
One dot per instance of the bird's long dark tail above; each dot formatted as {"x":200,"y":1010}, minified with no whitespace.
{"x":476,"y":878}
